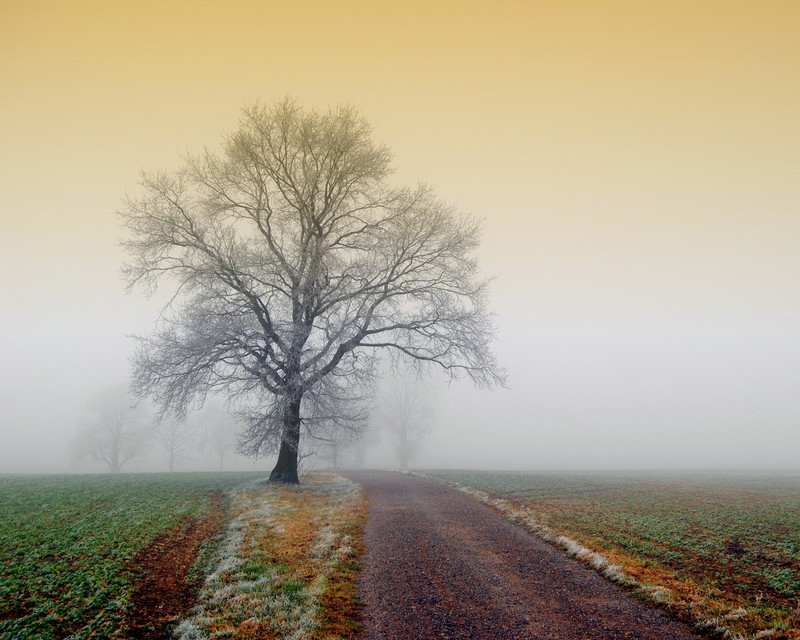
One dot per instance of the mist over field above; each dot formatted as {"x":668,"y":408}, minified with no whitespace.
{"x":635,"y":168}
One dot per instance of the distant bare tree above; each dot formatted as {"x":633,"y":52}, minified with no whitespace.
{"x":112,"y":430}
{"x":350,"y":447}
{"x":337,"y":414}
{"x":294,"y":260}
{"x":336,"y":445}
{"x":407,"y":410}
{"x":177,"y":437}
{"x":366,"y":439}
{"x":218,"y":428}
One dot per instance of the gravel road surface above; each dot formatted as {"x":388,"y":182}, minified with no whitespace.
{"x":441,"y":565}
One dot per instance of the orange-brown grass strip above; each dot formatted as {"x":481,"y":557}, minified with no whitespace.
{"x":287,"y":566}
{"x":690,"y":596}
{"x":714,"y":610}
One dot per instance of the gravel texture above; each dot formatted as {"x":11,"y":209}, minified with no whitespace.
{"x":440,"y":565}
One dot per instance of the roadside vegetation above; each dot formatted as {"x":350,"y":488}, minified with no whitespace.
{"x":99,"y":556}
{"x":286,"y":567}
{"x":721,"y":552}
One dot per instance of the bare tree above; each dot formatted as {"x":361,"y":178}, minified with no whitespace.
{"x":294,"y":263}
{"x":363,"y":441}
{"x":337,"y":444}
{"x":349,"y":448}
{"x":112,"y":430}
{"x":337,"y":414}
{"x":218,"y":428}
{"x":407,"y":411}
{"x":177,"y":437}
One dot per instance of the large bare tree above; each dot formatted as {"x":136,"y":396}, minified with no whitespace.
{"x":294,"y":261}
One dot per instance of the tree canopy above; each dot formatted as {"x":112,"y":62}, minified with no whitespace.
{"x":294,"y":261}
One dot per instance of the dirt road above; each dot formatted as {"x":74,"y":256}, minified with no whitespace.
{"x":440,"y":565}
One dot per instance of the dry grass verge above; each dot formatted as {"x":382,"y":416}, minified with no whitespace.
{"x":711,"y":611}
{"x":287,"y":565}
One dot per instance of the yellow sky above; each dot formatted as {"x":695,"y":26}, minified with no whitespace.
{"x":635,"y":161}
{"x":617,"y":147}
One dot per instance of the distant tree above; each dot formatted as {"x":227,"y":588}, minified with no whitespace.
{"x":366,"y":439}
{"x":407,"y":411}
{"x":112,"y":429}
{"x":218,"y":432}
{"x":294,"y":260}
{"x":350,"y":448}
{"x":337,"y":445}
{"x":338,"y":414}
{"x":177,"y":437}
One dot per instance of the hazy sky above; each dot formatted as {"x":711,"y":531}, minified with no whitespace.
{"x":637,"y":165}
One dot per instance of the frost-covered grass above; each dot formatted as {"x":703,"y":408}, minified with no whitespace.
{"x":67,"y":542}
{"x":722,"y":552}
{"x":286,"y":566}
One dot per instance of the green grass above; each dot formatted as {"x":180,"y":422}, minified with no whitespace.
{"x":67,"y":542}
{"x":718,"y":542}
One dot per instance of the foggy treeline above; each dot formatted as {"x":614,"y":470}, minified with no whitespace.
{"x":118,"y":433}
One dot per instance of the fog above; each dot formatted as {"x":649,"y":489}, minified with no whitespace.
{"x":641,"y":217}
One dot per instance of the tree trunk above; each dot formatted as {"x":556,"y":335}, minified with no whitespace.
{"x":114,"y":464}
{"x":335,"y":455}
{"x":286,"y":468}
{"x":361,"y":454}
{"x":403,"y":449}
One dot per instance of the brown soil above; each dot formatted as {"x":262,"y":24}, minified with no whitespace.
{"x":440,"y":565}
{"x":164,"y":592}
{"x":18,"y":608}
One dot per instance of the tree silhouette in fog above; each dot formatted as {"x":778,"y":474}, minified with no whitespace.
{"x":112,"y":429}
{"x":294,"y":263}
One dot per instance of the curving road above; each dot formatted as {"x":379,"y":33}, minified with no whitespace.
{"x":440,"y":565}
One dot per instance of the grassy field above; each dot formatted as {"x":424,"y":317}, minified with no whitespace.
{"x":721,"y":551}
{"x":69,"y":548}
